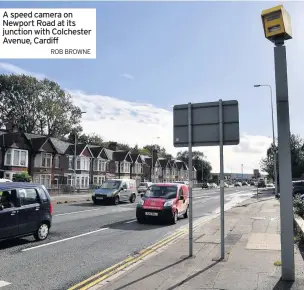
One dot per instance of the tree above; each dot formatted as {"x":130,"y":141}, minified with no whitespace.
{"x":202,"y":166}
{"x":35,"y":106}
{"x":22,"y":177}
{"x":161,"y":151}
{"x":297,"y":158}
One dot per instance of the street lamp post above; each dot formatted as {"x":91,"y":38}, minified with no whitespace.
{"x":75,"y":156}
{"x":273,"y":141}
{"x":152,"y":167}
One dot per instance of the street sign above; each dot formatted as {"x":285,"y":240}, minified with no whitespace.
{"x":205,"y":122}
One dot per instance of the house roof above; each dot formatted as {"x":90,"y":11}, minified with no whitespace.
{"x":137,"y":158}
{"x":163,"y":162}
{"x":121,"y":155}
{"x":95,"y":150}
{"x":109,"y":153}
{"x":61,"y":146}
{"x":79,"y":148}
{"x":37,"y":142}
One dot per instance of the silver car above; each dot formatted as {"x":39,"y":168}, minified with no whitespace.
{"x":143,"y":187}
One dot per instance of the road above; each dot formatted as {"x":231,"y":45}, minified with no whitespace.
{"x":85,"y":239}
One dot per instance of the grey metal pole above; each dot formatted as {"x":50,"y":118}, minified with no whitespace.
{"x":75,"y":146}
{"x":222,"y":204}
{"x":275,"y":152}
{"x":286,"y":202}
{"x":152,"y":173}
{"x":190,"y":180}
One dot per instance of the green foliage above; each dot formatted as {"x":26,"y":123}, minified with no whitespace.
{"x":202,"y":166}
{"x":297,"y":158}
{"x":22,"y":177}
{"x":298,"y":206}
{"x":37,"y":106}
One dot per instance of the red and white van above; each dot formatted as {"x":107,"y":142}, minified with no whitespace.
{"x":165,"y":201}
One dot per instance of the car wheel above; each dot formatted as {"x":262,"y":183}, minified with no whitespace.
{"x":174,"y":218}
{"x":186,"y":213}
{"x":116,"y":200}
{"x":133,"y":198}
{"x":42,"y":232}
{"x":140,"y":220}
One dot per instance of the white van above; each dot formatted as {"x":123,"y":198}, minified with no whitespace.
{"x":115,"y":191}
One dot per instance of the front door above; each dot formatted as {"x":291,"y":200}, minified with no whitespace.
{"x":8,"y":214}
{"x":124,"y":193}
{"x":8,"y":222}
{"x":29,"y":212}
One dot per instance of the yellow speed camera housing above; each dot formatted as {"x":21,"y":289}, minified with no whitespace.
{"x":276,"y":23}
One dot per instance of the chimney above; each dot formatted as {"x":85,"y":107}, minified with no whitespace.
{"x":112,"y":146}
{"x":11,"y":127}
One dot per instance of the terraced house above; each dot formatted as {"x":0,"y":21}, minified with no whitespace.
{"x":52,"y":162}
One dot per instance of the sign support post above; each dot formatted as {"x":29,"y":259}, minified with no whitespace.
{"x":222,"y":202}
{"x":190,"y":180}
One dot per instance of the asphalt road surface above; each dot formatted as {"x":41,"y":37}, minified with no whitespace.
{"x":86,"y":239}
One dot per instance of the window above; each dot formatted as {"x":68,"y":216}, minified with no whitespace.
{"x":126,"y":167}
{"x":95,"y":165}
{"x":71,"y":162}
{"x":95,"y":180}
{"x":8,"y":198}
{"x":116,"y":166}
{"x":56,"y":161}
{"x":42,"y":194}
{"x":46,"y":160}
{"x":70,"y":180}
{"x":45,"y":179}
{"x":28,"y":196}
{"x":78,"y":163}
{"x":16,"y":157}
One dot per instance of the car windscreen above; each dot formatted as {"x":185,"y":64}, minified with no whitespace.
{"x":167,"y":192}
{"x":111,"y":184}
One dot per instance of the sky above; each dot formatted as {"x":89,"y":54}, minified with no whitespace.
{"x":154,"y":55}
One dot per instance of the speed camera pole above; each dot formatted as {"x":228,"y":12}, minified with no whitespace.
{"x":190,"y":180}
{"x":277,"y":28}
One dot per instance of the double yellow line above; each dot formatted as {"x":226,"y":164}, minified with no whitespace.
{"x":101,"y":276}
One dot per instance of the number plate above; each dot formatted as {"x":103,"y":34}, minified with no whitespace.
{"x":152,"y":213}
{"x":99,"y":197}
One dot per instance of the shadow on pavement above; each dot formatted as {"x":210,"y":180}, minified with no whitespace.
{"x":165,"y":268}
{"x":14,"y":243}
{"x":283,"y":285}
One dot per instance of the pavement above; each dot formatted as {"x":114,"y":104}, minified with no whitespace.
{"x":70,"y":198}
{"x":252,"y":249}
{"x":87,"y":238}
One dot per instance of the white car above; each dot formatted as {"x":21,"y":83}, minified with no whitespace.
{"x":5,"y":180}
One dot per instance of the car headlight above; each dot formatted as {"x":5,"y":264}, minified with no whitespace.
{"x":141,"y":202}
{"x":168,"y":203}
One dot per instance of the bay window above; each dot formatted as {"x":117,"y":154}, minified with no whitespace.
{"x":126,"y":167}
{"x":71,"y":165}
{"x":16,"y":157}
{"x":83,"y":163}
{"x":99,"y":165}
{"x":46,"y":160}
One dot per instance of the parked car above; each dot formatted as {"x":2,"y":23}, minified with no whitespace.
{"x":25,"y":209}
{"x":206,"y":185}
{"x":261,"y":184}
{"x":143,"y":186}
{"x":4,"y":180}
{"x":115,"y":191}
{"x":245,"y":183}
{"x":238,"y":184}
{"x":298,"y":188}
{"x":226,"y":184}
{"x":213,"y":185}
{"x":165,"y":202}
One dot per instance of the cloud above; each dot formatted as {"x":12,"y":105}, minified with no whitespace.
{"x":128,"y":76}
{"x":18,"y":70}
{"x":140,"y":123}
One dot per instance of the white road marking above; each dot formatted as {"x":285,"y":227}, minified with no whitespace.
{"x":73,"y":212}
{"x":64,"y":240}
{"x":130,"y":222}
{"x":4,"y":283}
